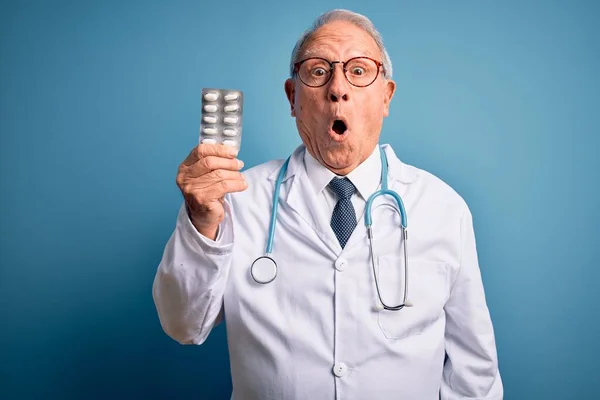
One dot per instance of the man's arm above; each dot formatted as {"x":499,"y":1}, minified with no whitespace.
{"x":190,"y":281}
{"x":471,"y":371}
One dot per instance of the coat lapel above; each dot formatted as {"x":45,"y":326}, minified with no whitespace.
{"x":300,"y":197}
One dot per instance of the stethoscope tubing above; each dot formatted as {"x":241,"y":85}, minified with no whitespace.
{"x":368,"y":223}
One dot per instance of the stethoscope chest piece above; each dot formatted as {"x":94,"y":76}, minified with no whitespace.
{"x":264,"y":269}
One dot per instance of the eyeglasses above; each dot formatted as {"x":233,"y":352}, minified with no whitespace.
{"x":359,"y":71}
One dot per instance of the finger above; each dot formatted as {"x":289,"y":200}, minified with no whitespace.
{"x":207,"y":150}
{"x":221,"y":188}
{"x":192,"y":157}
{"x":217,"y":150}
{"x":212,"y":163}
{"x":197,"y":187}
{"x":216,"y":176}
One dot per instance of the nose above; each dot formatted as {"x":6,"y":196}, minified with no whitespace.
{"x":339,"y":87}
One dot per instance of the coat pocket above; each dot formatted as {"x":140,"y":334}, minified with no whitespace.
{"x":427,"y":289}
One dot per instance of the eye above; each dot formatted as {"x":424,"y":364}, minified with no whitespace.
{"x":357,"y":71}
{"x":319,"y":71}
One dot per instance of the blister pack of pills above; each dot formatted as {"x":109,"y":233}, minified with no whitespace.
{"x":221,"y":121}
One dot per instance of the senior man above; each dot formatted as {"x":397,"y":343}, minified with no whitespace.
{"x":343,"y":314}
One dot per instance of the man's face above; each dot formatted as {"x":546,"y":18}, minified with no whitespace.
{"x":359,"y":111}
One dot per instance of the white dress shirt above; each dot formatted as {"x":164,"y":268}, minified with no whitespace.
{"x":361,"y":177}
{"x":314,"y":332}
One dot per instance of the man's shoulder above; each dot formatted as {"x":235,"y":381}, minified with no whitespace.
{"x":429,"y":184}
{"x":439,"y":187}
{"x":263,"y":171}
{"x":260,"y":185}
{"x":266,"y":172}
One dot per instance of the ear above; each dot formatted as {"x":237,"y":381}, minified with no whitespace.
{"x":388,"y":94}
{"x":290,"y":92}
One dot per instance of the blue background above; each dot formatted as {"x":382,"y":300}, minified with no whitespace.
{"x":100,"y":102}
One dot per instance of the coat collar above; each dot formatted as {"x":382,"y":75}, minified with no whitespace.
{"x":300,"y":196}
{"x":397,"y":170}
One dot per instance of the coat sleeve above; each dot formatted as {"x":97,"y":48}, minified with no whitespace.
{"x":471,"y":369}
{"x":191,"y":278}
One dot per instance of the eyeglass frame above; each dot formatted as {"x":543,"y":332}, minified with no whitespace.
{"x":332,"y":68}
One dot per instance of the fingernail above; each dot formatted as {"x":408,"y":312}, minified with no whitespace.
{"x":240,"y":163}
{"x":232,"y":152}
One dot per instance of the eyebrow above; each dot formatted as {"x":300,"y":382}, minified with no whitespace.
{"x":312,"y":52}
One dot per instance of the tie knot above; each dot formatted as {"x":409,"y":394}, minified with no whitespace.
{"x":342,"y":187}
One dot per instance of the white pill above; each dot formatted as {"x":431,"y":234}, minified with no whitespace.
{"x":229,"y":142}
{"x":232,"y":108}
{"x":211,"y":108}
{"x":211,"y":96}
{"x":209,"y":130}
{"x":229,"y":132}
{"x":209,"y":141}
{"x":231,"y":96}
{"x":230,"y":120}
{"x":210,"y":119}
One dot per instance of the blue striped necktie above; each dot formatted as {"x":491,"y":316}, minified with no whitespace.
{"x":343,"y":220}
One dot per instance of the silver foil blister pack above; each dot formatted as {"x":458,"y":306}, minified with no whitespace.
{"x":221,"y":122}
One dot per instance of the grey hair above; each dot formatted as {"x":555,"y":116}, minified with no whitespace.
{"x":344,"y":15}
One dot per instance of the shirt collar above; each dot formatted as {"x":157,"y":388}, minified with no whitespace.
{"x":366,"y":177}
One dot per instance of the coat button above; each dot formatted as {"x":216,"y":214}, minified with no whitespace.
{"x":341,"y":264}
{"x":340,"y":370}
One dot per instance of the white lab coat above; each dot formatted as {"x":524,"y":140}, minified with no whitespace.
{"x":314,"y":333}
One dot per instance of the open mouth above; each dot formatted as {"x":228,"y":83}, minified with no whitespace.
{"x":339,"y":127}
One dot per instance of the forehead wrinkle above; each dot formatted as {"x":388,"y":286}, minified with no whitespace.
{"x":325,"y":51}
{"x":324,"y":43}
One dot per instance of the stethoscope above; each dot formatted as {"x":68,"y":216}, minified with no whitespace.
{"x":264,"y":268}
